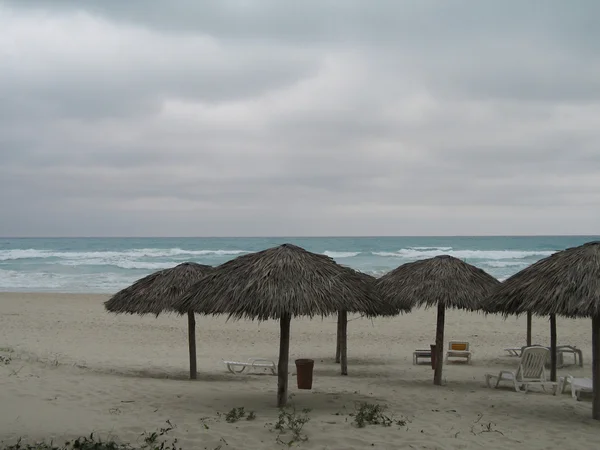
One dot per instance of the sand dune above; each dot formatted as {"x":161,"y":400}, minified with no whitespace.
{"x":77,"y":369}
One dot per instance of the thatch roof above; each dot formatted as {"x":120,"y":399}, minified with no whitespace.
{"x":156,"y":292}
{"x":280,"y":281}
{"x":387,"y":309}
{"x":566,"y":283}
{"x":442,"y":279}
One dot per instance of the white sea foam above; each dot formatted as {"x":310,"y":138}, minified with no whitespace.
{"x":410,"y":253}
{"x":340,"y":254}
{"x":443,"y":249}
{"x":11,"y":280}
{"x":144,"y":265}
{"x":6,"y":255}
{"x":501,"y":264}
{"x":19,"y":253}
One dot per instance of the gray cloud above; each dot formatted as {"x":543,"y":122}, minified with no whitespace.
{"x":246,"y":118}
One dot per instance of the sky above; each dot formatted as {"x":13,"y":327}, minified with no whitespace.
{"x":287,"y":118}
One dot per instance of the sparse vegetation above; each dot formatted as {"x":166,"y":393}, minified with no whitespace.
{"x":6,"y":359}
{"x":290,"y":420}
{"x":235,"y":414}
{"x":149,"y":441}
{"x":373,"y":414}
{"x":479,"y":428}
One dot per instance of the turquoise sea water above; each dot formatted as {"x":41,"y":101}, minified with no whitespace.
{"x":106,"y":265}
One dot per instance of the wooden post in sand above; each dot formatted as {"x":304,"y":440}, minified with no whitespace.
{"x":192,"y":345}
{"x":338,"y":338}
{"x":284,"y":355}
{"x":528,"y":328}
{"x":343,"y":318}
{"x":596,"y":367}
{"x":553,"y":355}
{"x":439,"y":344}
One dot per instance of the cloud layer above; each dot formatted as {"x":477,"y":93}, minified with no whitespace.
{"x":299,"y":118}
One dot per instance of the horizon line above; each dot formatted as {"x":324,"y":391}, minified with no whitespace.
{"x":302,"y":237}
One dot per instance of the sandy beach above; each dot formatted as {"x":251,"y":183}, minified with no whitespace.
{"x":76,"y":369}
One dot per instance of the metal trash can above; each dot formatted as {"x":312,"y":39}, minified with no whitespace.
{"x":304,"y":373}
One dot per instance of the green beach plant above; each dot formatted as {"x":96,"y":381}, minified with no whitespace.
{"x":149,"y":441}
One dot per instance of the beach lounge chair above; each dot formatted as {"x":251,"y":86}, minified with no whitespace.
{"x":578,"y":385}
{"x":421,"y":354}
{"x":576,"y":352}
{"x":253,"y":363}
{"x":514,"y":351}
{"x":560,"y":351}
{"x":458,"y":349}
{"x":531,"y":371}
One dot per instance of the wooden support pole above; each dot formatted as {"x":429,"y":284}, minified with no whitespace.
{"x":439,"y":344}
{"x":338,"y":337}
{"x":596,"y":367}
{"x":528,"y":328}
{"x":192,"y":345}
{"x":284,"y":355}
{"x":343,"y":317}
{"x":553,"y":354}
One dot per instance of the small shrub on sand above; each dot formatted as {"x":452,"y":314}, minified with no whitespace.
{"x":149,"y":441}
{"x":292,"y":421}
{"x":235,"y":414}
{"x":373,"y":414}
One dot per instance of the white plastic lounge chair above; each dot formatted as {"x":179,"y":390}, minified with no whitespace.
{"x":560,"y":351}
{"x":421,"y":354}
{"x":516,"y":351}
{"x":576,"y":352}
{"x":253,"y":363}
{"x":531,"y":371}
{"x":578,"y":385}
{"x":458,"y":349}
{"x":513,"y":351}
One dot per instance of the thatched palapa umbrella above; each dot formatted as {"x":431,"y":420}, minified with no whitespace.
{"x":341,"y":351}
{"x":566,"y":283}
{"x":493,"y":305}
{"x":444,"y":281}
{"x":157,"y":292}
{"x":280,"y":283}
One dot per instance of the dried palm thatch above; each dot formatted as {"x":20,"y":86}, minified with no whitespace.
{"x":280,"y":283}
{"x":444,"y":281}
{"x":157,"y":292}
{"x":566,"y":283}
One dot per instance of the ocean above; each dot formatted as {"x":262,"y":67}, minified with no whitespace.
{"x":106,"y":265}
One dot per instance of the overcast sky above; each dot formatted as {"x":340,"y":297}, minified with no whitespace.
{"x":237,"y":118}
